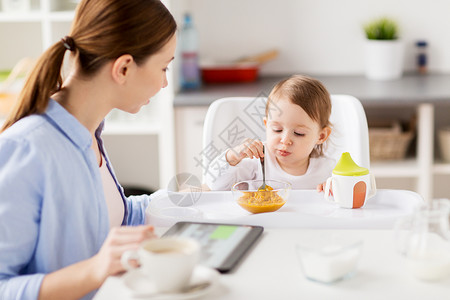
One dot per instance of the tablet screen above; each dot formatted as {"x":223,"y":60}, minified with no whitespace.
{"x":223,"y":245}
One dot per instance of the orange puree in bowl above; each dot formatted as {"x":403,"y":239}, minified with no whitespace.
{"x":261,"y":201}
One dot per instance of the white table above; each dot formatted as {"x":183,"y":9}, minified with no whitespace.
{"x":304,"y":209}
{"x":272,"y":271}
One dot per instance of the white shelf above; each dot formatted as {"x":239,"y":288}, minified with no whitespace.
{"x":21,"y":17}
{"x":36,"y":16}
{"x":62,"y":16}
{"x":441,"y":168}
{"x":127,"y":128}
{"x":408,"y":168}
{"x":122,"y":128}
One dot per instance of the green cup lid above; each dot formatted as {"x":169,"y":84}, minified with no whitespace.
{"x":347,"y":167}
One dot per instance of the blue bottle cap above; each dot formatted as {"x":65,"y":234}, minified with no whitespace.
{"x":187,"y":18}
{"x":421,"y":43}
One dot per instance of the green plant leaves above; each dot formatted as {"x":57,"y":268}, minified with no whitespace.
{"x":381,"y":29}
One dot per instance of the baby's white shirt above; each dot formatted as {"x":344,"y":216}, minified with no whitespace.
{"x":221,"y":176}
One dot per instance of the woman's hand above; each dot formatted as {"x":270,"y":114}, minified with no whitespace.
{"x":120,"y":239}
{"x":75,"y":281}
{"x":249,"y":148}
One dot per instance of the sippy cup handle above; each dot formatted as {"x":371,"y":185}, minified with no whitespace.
{"x":373,"y":187}
{"x":326,"y":190}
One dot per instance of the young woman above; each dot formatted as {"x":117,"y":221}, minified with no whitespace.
{"x":62,"y":211}
{"x":295,"y":135}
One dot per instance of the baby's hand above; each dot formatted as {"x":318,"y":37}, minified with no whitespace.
{"x":321,"y":187}
{"x":249,"y":148}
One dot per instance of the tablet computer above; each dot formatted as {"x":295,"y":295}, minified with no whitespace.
{"x":223,"y":245}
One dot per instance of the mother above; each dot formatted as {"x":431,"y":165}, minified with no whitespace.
{"x":61,"y":206}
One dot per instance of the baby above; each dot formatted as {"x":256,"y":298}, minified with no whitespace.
{"x":295,"y":137}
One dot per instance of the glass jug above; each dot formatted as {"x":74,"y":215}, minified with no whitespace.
{"x":424,"y":240}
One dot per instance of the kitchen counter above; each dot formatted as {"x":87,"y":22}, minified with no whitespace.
{"x":411,"y":89}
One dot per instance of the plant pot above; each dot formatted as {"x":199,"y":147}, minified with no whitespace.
{"x":384,"y":59}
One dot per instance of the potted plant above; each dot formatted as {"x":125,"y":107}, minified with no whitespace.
{"x":384,"y":50}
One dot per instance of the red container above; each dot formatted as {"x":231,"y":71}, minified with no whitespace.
{"x":222,"y":73}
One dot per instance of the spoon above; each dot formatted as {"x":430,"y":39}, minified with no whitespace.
{"x":263,"y":186}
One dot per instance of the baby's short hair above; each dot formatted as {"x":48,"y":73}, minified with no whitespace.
{"x":308,"y":93}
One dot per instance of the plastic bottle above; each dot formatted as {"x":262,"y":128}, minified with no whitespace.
{"x":422,"y":56}
{"x":190,"y":71}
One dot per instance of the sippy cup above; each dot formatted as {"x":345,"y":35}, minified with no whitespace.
{"x":350,"y":184}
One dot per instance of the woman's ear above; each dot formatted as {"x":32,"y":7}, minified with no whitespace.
{"x":121,"y":68}
{"x":324,"y":135}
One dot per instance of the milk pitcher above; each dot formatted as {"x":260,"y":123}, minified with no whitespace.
{"x":350,"y":184}
{"x":424,"y":240}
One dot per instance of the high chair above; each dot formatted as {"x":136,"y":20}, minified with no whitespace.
{"x":230,"y":120}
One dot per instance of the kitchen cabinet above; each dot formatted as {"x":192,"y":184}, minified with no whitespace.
{"x":189,"y":139}
{"x":426,"y":96}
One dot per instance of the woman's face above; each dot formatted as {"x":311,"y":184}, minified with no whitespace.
{"x":149,"y":78}
{"x":292,"y":134}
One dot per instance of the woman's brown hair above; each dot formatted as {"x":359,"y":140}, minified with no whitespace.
{"x":102,"y":31}
{"x":308,"y":93}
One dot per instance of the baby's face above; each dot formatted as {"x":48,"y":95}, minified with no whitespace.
{"x":291,"y":136}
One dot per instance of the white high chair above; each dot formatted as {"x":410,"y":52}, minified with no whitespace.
{"x":230,"y":120}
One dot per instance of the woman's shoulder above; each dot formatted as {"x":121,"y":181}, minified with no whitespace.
{"x":27,"y":137}
{"x":24,"y":129}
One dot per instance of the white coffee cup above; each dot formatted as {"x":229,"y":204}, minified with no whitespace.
{"x":167,"y":262}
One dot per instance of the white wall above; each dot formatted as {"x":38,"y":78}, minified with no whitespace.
{"x":315,"y":36}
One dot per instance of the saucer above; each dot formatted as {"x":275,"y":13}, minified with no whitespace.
{"x":141,"y":287}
